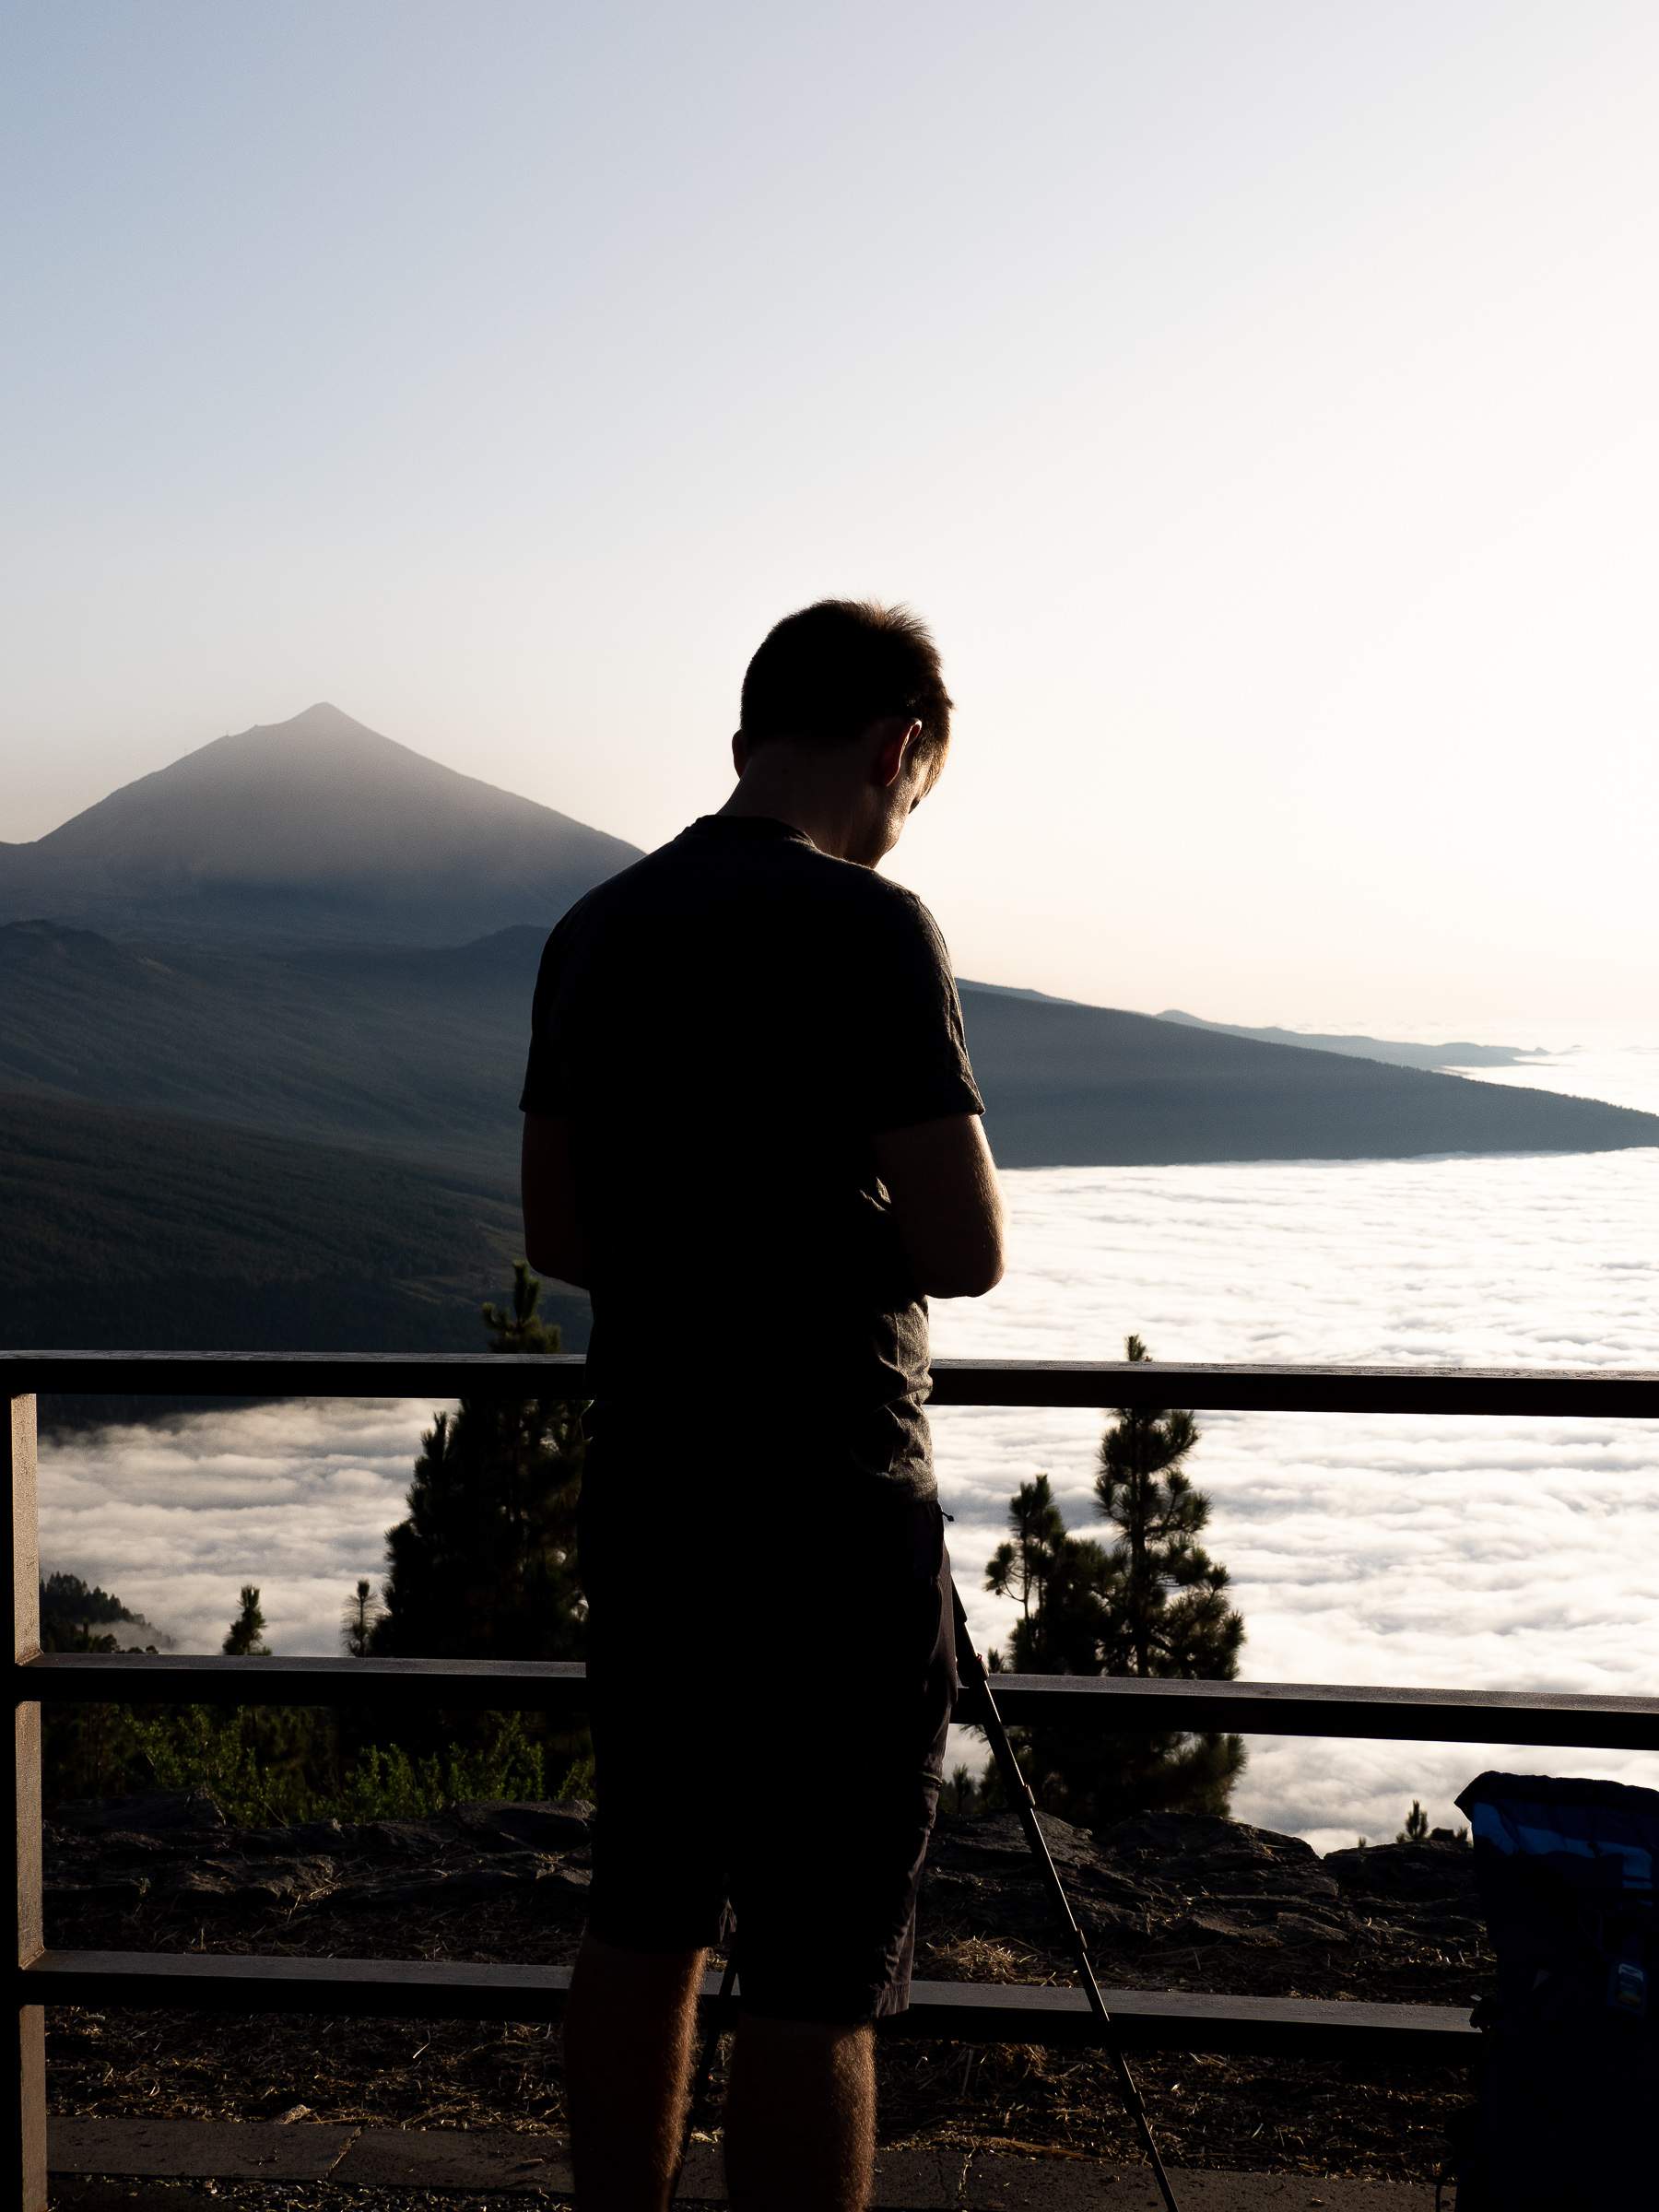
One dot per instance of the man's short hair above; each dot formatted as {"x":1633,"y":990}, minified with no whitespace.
{"x":832,"y":669}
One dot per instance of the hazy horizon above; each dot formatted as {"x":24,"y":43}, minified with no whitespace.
{"x":1615,"y":1050}
{"x":1256,"y":402}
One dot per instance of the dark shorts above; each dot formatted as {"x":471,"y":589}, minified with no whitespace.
{"x":770,"y":1695}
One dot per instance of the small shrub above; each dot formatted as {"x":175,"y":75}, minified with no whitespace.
{"x":229,"y":1755}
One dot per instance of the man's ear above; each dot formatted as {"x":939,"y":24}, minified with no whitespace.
{"x":893,"y":752}
{"x":740,"y":754}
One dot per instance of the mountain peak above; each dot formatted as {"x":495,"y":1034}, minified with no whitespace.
{"x":323,"y":719}
{"x":322,"y":736}
{"x":317,"y":828}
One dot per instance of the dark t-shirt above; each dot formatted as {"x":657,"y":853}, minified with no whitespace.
{"x":725,"y":1026}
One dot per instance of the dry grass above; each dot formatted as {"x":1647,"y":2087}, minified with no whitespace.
{"x":1384,"y":2123}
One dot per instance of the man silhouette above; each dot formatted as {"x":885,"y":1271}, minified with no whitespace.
{"x":752,"y":1132}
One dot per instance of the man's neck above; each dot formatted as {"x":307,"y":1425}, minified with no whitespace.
{"x":810,"y":790}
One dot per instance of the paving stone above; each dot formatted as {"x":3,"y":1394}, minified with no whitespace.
{"x":395,"y":2157}
{"x":906,"y":2180}
{"x":486,"y":2161}
{"x":703,"y":2179}
{"x":918,"y":2178}
{"x":1057,"y":2185}
{"x":217,"y":2150}
{"x":1004,"y":2184}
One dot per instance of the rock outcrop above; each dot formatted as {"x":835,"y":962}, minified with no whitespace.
{"x":1163,"y":1880}
{"x":1158,"y":1883}
{"x":164,"y":1847}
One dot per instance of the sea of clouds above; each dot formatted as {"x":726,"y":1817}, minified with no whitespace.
{"x":1486,"y":1553}
{"x":1491,"y":1554}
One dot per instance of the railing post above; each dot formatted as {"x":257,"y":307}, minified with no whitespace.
{"x":27,"y":2156}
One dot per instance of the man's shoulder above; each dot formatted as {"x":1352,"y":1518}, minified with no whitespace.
{"x":787,"y":869}
{"x":887,"y":919}
{"x":892,"y":905}
{"x":850,"y":887}
{"x":641,"y":884}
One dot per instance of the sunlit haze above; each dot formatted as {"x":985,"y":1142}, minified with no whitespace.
{"x":1258,"y":401}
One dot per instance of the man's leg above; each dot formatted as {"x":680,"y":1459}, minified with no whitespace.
{"x":627,"y":2030}
{"x":800,"y":2117}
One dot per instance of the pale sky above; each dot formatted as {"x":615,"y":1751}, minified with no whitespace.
{"x":1258,"y":399}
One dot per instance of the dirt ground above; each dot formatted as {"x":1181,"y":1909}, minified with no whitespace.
{"x":1383,"y":2123}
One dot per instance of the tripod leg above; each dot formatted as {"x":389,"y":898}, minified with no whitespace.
{"x":971,"y":1669}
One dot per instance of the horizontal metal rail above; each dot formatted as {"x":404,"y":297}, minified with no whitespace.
{"x":960,"y":2011}
{"x":1422,"y":1716}
{"x":1104,"y":1701}
{"x":1601,"y":1393}
{"x":1183,"y":2020}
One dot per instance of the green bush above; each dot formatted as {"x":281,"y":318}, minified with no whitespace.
{"x":236,"y":1757}
{"x":389,"y":1785}
{"x":200,"y":1747}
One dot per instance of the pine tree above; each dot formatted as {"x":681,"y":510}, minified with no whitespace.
{"x":359,"y":1615}
{"x":521,"y":1330}
{"x":1152,"y":1603}
{"x":485,"y":1566}
{"x":1023,"y":1568}
{"x":1415,"y":1830}
{"x":1063,"y":1584}
{"x":1171,"y":1616}
{"x":247,"y":1630}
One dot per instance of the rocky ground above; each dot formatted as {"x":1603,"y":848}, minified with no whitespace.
{"x":1170,"y":1901}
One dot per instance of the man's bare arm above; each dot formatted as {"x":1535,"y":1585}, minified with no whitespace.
{"x":943,"y":1183}
{"x":553,"y":1243}
{"x":940,"y":1175}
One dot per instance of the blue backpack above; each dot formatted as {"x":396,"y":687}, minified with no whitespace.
{"x":1567,"y":2109}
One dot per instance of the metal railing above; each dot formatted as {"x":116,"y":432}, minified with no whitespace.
{"x":966,"y":2011}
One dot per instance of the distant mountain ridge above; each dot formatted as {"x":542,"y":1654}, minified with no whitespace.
{"x":263,"y":1025}
{"x":1078,"y":1085}
{"x":1393,"y":1053}
{"x":419,"y":1052}
{"x":310,"y":930}
{"x":317,"y":830}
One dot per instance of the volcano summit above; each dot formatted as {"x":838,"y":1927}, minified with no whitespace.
{"x":315,"y":830}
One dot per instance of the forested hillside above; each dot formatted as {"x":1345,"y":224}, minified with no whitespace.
{"x":1081,"y":1086}
{"x":420,"y":1053}
{"x":148,"y":1230}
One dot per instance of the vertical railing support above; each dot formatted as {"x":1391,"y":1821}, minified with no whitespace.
{"x":27,"y":2153}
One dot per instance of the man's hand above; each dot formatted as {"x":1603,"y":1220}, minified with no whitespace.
{"x":553,"y":1242}
{"x":942,"y":1181}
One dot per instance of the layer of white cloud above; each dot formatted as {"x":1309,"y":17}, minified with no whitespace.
{"x":295,"y":1497}
{"x":1493,"y":1553}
